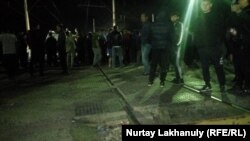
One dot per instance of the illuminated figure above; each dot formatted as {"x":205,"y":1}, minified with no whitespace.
{"x":177,"y":46}
{"x":209,"y":37}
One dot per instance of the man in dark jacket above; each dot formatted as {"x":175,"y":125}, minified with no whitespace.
{"x":36,"y":43}
{"x":62,"y":48}
{"x":161,"y":40}
{"x":145,"y":46}
{"x":116,"y":42}
{"x":233,"y":42}
{"x":177,"y":47}
{"x":209,"y":36}
{"x":243,"y":23}
{"x":50,"y":45}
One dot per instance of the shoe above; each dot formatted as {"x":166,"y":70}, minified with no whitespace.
{"x":150,"y":83}
{"x":246,"y":92}
{"x":235,"y":90}
{"x":235,"y":79}
{"x":177,"y":81}
{"x":206,"y":88}
{"x":181,"y":81}
{"x":222,"y":89}
{"x":65,"y":73}
{"x":162,"y":84}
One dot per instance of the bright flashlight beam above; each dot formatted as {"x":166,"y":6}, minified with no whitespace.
{"x":189,"y":12}
{"x":187,"y":19}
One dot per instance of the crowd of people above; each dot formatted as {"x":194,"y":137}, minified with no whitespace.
{"x":36,"y":50}
{"x":213,"y":32}
{"x":157,"y":43}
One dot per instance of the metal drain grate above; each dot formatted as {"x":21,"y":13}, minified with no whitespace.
{"x":88,"y":109}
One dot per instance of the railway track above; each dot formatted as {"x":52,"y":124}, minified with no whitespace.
{"x":134,"y":120}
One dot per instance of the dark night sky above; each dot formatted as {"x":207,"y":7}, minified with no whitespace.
{"x":74,"y":13}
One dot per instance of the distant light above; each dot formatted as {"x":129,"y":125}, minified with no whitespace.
{"x":153,"y":18}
